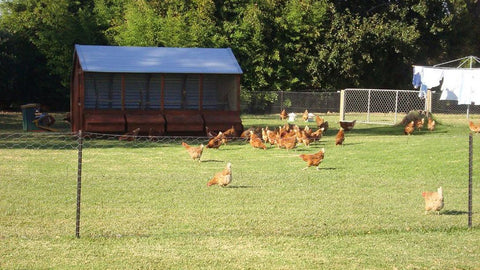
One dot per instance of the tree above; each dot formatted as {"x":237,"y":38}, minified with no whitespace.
{"x":51,"y":28}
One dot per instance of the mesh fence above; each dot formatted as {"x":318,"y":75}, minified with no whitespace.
{"x":120,"y":177}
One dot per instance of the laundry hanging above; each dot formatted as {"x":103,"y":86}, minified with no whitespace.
{"x":426,"y":78}
{"x":459,"y":84}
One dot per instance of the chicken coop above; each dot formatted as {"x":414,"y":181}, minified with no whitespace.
{"x":160,"y":90}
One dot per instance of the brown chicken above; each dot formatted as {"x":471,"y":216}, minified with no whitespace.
{"x":473,"y":127}
{"x":130,"y":136}
{"x":194,"y":152}
{"x":319,"y":121}
{"x":272,"y":136}
{"x":246,"y":133}
{"x":313,"y":159}
{"x":419,"y":124}
{"x":347,"y":125}
{"x":409,"y":128}
{"x":256,"y":142}
{"x":431,"y":124}
{"x":265,"y":134}
{"x":283,"y":115}
{"x":288,"y":142}
{"x":216,"y":141}
{"x":317,"y":135}
{"x":210,"y":133}
{"x":222,"y":178}
{"x":230,"y":132}
{"x":305,"y":138}
{"x":433,"y":200}
{"x":340,"y":137}
{"x":305,"y":116}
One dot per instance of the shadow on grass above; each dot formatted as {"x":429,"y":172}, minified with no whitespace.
{"x":327,"y":168}
{"x":454,"y":212}
{"x":213,"y":160}
{"x":241,"y":187}
{"x":346,"y":144}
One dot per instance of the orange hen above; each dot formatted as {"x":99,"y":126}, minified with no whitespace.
{"x":433,"y":200}
{"x":313,"y":159}
{"x":283,"y":115}
{"x":473,"y":127}
{"x":305,"y":116}
{"x":419,"y":123}
{"x":222,"y":178}
{"x":409,"y":128}
{"x":286,"y":142}
{"x":194,"y":152}
{"x":256,"y":142}
{"x":340,"y":137}
{"x":216,"y":141}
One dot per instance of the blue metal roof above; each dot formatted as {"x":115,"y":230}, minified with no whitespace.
{"x":120,"y":59}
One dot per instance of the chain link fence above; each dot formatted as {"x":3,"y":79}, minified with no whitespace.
{"x":452,"y":107}
{"x":271,"y":102}
{"x":380,"y":106}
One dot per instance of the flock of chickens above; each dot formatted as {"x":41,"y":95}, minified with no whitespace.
{"x":288,"y":136}
{"x":418,"y":124}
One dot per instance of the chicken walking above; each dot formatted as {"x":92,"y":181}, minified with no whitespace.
{"x":194,"y":152}
{"x":433,"y":200}
{"x":222,"y":178}
{"x":313,"y":159}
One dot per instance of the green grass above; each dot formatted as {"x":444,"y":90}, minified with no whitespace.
{"x":146,"y":205}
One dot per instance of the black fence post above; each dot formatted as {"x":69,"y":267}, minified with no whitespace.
{"x":470,"y":172}
{"x":79,"y":183}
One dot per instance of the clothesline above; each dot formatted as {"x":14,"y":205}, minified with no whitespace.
{"x":463,"y":60}
{"x":459,"y":84}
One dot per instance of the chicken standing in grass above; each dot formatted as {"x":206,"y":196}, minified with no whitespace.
{"x":473,"y":127}
{"x":283,"y":115}
{"x":222,"y":178}
{"x":433,"y":200}
{"x":321,"y":123}
{"x":313,"y":159}
{"x":305,"y":116}
{"x":340,"y":137}
{"x":419,"y":123}
{"x":216,"y":141}
{"x":194,"y":152}
{"x":256,"y":142}
{"x":409,"y":128}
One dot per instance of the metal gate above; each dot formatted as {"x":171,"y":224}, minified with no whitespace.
{"x":380,"y":106}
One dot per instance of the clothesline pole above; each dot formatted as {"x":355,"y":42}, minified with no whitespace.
{"x":470,"y":58}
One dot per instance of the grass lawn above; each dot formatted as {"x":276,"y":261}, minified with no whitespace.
{"x":146,"y":204}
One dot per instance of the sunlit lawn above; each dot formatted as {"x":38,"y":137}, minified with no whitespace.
{"x":146,"y":204}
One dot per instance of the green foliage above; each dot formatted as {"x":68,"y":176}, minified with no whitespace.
{"x":287,"y":45}
{"x":50,"y":28}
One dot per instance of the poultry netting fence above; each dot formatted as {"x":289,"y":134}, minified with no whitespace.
{"x":65,"y":178}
